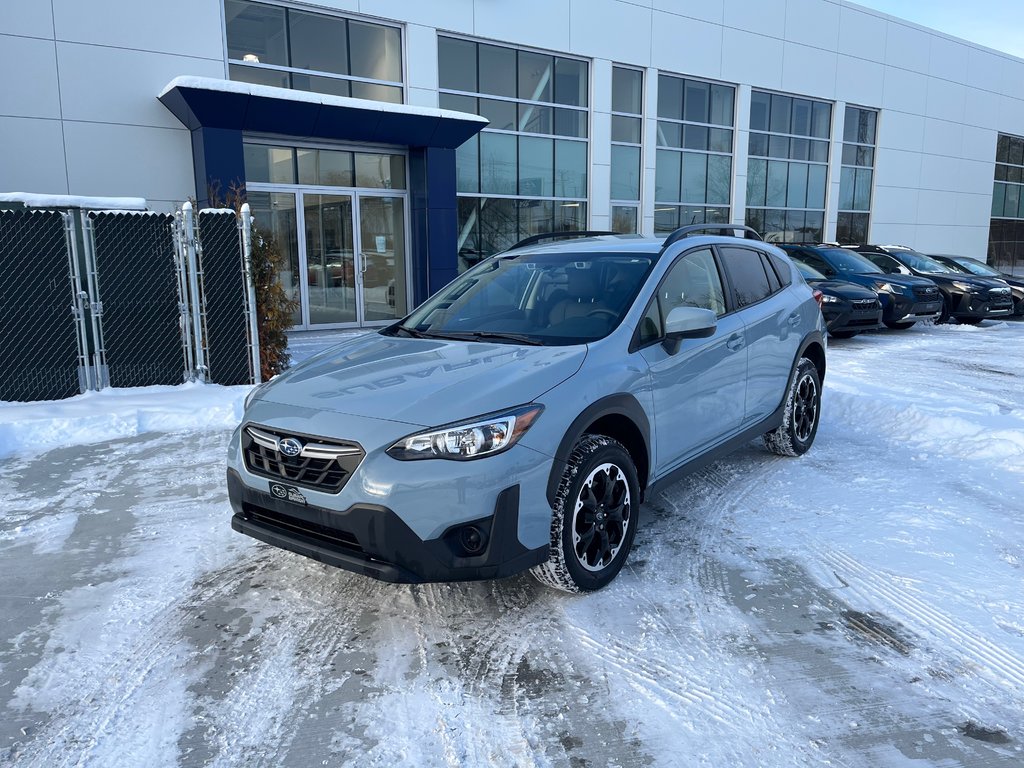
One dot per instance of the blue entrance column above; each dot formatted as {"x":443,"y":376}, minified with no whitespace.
{"x":219,"y":112}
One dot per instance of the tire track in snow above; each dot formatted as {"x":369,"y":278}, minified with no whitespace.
{"x":998,"y":665}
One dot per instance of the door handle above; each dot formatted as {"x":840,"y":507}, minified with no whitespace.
{"x":794,"y":319}
{"x":735,"y":342}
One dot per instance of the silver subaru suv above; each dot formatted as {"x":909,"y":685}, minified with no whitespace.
{"x":519,"y":417}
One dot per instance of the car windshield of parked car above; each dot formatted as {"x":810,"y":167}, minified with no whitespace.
{"x":844,"y":260}
{"x":977,"y":268}
{"x":809,"y":272}
{"x":921,"y":263}
{"x":549,"y":299}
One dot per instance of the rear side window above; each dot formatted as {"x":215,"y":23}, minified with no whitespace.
{"x":773,"y":280}
{"x":746,"y":273}
{"x":782,"y":269}
{"x":818,"y":263}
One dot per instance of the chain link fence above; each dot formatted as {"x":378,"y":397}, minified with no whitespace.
{"x":120,"y":298}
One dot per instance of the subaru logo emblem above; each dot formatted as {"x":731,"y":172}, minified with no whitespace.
{"x":291,"y":447}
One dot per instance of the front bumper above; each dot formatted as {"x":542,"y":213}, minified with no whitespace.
{"x":374,"y":541}
{"x":844,"y":316}
{"x":973,"y":306}
{"x":904,"y":307}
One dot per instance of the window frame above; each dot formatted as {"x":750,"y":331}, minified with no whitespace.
{"x":762,"y":256}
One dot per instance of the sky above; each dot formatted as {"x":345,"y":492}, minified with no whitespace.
{"x":996,"y":24}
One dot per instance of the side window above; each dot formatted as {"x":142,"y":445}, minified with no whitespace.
{"x":650,"y":326}
{"x":782,"y":269}
{"x":773,"y":280}
{"x":693,"y":281}
{"x":746,"y":273}
{"x":817,"y":262}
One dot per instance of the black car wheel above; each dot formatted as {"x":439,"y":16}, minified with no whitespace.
{"x":899,"y":326}
{"x":801,"y":414}
{"x":594,"y":517}
{"x":842,"y":334}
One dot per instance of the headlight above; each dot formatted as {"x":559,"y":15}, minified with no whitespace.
{"x":888,"y":288}
{"x":967,"y":287}
{"x":826,"y":299}
{"x":484,"y":436}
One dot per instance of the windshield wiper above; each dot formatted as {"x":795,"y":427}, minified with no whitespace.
{"x":486,"y":336}
{"x":411,"y":332}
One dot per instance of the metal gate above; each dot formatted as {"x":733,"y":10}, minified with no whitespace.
{"x":41,"y":306}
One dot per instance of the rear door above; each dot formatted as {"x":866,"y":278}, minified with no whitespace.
{"x":772,"y":325}
{"x":699,"y":391}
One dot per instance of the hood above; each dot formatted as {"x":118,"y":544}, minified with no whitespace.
{"x":911,"y":281}
{"x":843,"y":288}
{"x":423,"y":382}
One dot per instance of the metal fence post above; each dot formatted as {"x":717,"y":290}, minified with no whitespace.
{"x":86,"y":374}
{"x":177,"y":229}
{"x":95,"y":303}
{"x":250,"y":285}
{"x":189,"y":236}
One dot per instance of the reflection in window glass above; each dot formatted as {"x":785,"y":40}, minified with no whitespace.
{"x":377,"y":171}
{"x":257,"y":76}
{"x":256,"y":33}
{"x":536,"y":166}
{"x":318,"y":42}
{"x":498,"y":163}
{"x":570,"y":169}
{"x":624,"y":219}
{"x":497,"y":70}
{"x":625,"y":173}
{"x":627,"y":90}
{"x":856,"y":174}
{"x":273,"y":215}
{"x":375,"y":51}
{"x":456,"y":61}
{"x":571,"y":82}
{"x":535,"y":72}
{"x":467,"y":165}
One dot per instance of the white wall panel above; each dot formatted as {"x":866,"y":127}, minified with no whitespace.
{"x":948,"y":58}
{"x":452,"y":15}
{"x":898,"y":130}
{"x":701,"y":53}
{"x":809,"y":71}
{"x":186,"y":27}
{"x":907,"y":47}
{"x":766,"y":17}
{"x":32,"y":156}
{"x":539,"y":23}
{"x":897,"y":168}
{"x":984,"y":69}
{"x":943,"y":138}
{"x":751,"y":59}
{"x":610,"y":29}
{"x":979,"y":144}
{"x":935,"y":207}
{"x":32,"y":19}
{"x":813,"y":22}
{"x":905,"y":91}
{"x":707,"y":10}
{"x":128,"y":161}
{"x":421,"y":51}
{"x":29,"y":85}
{"x":859,"y":82}
{"x":117,"y":85}
{"x":1012,"y":77}
{"x":895,"y":205}
{"x":946,"y":100}
{"x":862,"y":34}
{"x":981,"y":108}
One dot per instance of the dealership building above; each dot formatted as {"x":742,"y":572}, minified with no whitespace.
{"x":389,"y":144}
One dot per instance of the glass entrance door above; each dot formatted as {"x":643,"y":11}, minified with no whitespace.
{"x":331,"y":271}
{"x":382,"y":257}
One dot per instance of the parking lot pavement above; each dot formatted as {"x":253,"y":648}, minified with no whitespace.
{"x":859,"y":606}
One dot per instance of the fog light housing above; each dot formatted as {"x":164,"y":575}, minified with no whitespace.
{"x":472,"y":540}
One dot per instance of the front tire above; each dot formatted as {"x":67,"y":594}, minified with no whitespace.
{"x":594,"y":517}
{"x":801,"y":414}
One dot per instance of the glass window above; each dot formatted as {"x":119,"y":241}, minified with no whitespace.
{"x":319,"y":42}
{"x":667,"y":176}
{"x":535,"y":71}
{"x":534,"y":119}
{"x":378,"y":171}
{"x":467,"y":165}
{"x":498,"y":163}
{"x":760,"y":109}
{"x":670,"y":134}
{"x":626,"y":129}
{"x":497,"y":70}
{"x":256,"y":33}
{"x":536,"y":166}
{"x":625,"y":173}
{"x":273,"y":165}
{"x":571,"y":82}
{"x":627,"y":90}
{"x":257,"y":76}
{"x":375,"y":51}
{"x":456,"y":65}
{"x":696,"y":101}
{"x":693,"y":281}
{"x":781,"y":115}
{"x":624,"y":219}
{"x":670,"y":97}
{"x":796,"y":192}
{"x":570,"y":168}
{"x":722,"y":97}
{"x":502,"y":114}
{"x":757,"y":180}
{"x":746,"y":275}
{"x":695,"y":177}
{"x":720,"y":140}
{"x":719,"y":179}
{"x":571,"y":122}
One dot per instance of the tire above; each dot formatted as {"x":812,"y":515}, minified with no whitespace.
{"x":801,"y":414}
{"x":842,"y":334}
{"x":900,"y":326}
{"x":943,"y":316}
{"x":598,"y":495}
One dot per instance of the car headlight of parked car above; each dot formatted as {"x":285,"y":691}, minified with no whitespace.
{"x":960,"y":285}
{"x":888,"y":288}
{"x":483,"y":436}
{"x":826,"y":299}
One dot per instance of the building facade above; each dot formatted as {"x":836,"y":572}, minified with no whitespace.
{"x":351,"y":126}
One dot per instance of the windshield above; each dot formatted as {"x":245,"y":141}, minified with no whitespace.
{"x":976,"y":267}
{"x":920,"y":263}
{"x":844,"y":260}
{"x":551,"y":299}
{"x":809,"y":272}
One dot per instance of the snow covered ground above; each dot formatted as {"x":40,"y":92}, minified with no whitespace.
{"x":860,"y":606}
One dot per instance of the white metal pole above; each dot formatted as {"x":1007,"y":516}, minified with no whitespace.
{"x":250,"y":286}
{"x":78,"y":307}
{"x":183,"y":303}
{"x":189,"y":236}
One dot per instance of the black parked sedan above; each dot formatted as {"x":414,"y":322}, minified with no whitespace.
{"x":981,"y":269}
{"x":847,"y":307}
{"x":966,"y":298}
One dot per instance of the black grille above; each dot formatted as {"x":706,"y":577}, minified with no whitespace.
{"x":863,"y":304}
{"x":926,"y":292}
{"x":321,"y":533}
{"x":323,"y":474}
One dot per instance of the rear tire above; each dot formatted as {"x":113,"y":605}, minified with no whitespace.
{"x":900,"y":326}
{"x":842,"y":334}
{"x":594,"y":517}
{"x":801,"y":414}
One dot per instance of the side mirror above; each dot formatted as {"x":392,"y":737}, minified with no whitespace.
{"x":688,"y":323}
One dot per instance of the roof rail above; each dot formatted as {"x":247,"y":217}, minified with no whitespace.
{"x":688,"y":230}
{"x":558,"y":236}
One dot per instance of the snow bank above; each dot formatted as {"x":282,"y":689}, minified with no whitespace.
{"x":113,"y":413}
{"x":32,"y":200}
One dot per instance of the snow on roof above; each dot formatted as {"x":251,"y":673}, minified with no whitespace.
{"x":32,"y":200}
{"x":287,"y":94}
